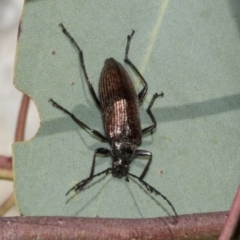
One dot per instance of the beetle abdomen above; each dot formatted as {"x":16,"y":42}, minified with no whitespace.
{"x":119,"y":103}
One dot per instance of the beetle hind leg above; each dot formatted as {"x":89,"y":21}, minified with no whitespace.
{"x":143,"y":92}
{"x":80,"y":53}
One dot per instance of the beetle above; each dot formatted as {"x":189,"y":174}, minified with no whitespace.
{"x":119,"y":104}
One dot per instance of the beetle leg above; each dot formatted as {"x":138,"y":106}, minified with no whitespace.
{"x":147,"y":154}
{"x":80,"y":53}
{"x":79,"y":186}
{"x":152,"y":127}
{"x":152,"y":189}
{"x":78,"y":122}
{"x":143,"y":92}
{"x":149,"y":187}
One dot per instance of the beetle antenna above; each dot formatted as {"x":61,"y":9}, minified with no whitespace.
{"x":152,"y":189}
{"x":79,"y":186}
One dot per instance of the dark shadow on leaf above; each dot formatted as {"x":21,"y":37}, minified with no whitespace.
{"x":162,"y":114}
{"x":235,"y":9}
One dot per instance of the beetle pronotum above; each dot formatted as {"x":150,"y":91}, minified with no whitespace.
{"x":119,"y":105}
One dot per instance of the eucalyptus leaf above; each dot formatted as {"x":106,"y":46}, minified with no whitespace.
{"x":187,"y":49}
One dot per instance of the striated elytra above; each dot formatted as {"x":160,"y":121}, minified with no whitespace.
{"x":119,"y":104}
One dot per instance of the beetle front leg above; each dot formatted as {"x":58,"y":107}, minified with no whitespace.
{"x":79,"y":186}
{"x":149,"y":187}
{"x":152,"y":189}
{"x":142,"y":153}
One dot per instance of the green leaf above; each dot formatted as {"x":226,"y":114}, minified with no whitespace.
{"x":188,"y":50}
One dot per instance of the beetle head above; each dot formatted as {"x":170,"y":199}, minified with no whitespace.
{"x":122,"y":153}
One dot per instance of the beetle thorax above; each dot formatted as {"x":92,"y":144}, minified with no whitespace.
{"x":122,"y":154}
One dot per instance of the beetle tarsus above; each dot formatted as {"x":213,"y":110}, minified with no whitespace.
{"x":79,"y":186}
{"x":152,"y":189}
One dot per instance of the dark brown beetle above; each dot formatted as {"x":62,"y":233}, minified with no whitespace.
{"x":119,"y":105}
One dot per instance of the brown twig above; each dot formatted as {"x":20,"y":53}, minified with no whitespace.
{"x":5,"y":171}
{"x":233,"y":219}
{"x":188,"y":227}
{"x":21,"y":124}
{"x":9,"y":202}
{"x":5,"y":162}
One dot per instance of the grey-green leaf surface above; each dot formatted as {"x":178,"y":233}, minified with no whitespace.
{"x":187,"y":49}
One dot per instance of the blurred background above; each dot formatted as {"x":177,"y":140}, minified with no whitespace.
{"x":10,"y":97}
